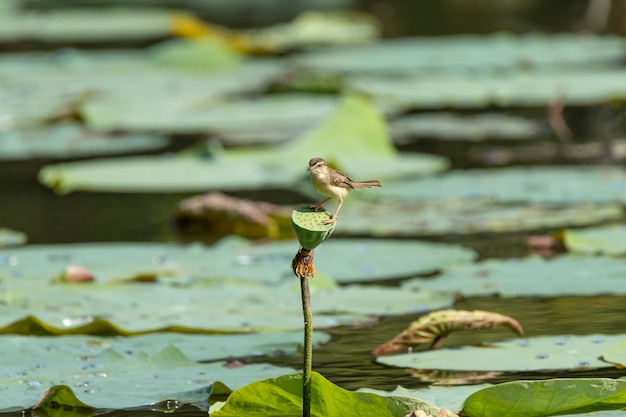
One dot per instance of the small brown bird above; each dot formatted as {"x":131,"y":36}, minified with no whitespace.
{"x":332,"y":183}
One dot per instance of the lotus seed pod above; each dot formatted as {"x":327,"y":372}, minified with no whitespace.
{"x":309,"y":226}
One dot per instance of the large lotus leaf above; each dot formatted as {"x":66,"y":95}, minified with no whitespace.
{"x":465,"y":216}
{"x":113,"y":378}
{"x":68,"y":140}
{"x":265,"y":119}
{"x":450,"y":126}
{"x":555,"y":185}
{"x":549,"y":398}
{"x":468,"y":54}
{"x":451,"y":397}
{"x":283,"y":396}
{"x":533,"y":276}
{"x":225,"y":307}
{"x":40,"y":86}
{"x":48,"y":351}
{"x":362,"y":148}
{"x":605,"y":240}
{"x":528,"y":354}
{"x":204,"y":290}
{"x":346,"y":260}
{"x":535,"y":89}
{"x":87,"y":25}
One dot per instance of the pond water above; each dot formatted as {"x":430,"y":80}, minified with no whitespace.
{"x":346,"y":361}
{"x":46,"y":217}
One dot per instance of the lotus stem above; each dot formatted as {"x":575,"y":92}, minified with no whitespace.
{"x":311,"y":231}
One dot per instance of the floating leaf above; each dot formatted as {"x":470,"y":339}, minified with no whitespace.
{"x":69,"y":140}
{"x":531,"y":354}
{"x":87,"y":25}
{"x":235,"y":287}
{"x":485,"y":54}
{"x":434,"y":327}
{"x":605,"y":240}
{"x":465,"y":216}
{"x":553,"y":185}
{"x":522,"y":89}
{"x":547,"y":398}
{"x":283,"y":396}
{"x":533,"y":276}
{"x":450,"y":126}
{"x":100,"y":371}
{"x":361,"y":148}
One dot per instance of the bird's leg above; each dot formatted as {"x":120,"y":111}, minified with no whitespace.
{"x":315,"y":207}
{"x":334,"y":218}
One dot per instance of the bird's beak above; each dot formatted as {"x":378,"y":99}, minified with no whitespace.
{"x":308,"y":168}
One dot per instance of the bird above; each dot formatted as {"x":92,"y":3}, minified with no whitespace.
{"x":332,"y":183}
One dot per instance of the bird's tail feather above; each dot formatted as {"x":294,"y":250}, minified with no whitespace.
{"x":366,"y":184}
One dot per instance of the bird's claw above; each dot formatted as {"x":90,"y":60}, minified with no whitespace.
{"x":331,"y":220}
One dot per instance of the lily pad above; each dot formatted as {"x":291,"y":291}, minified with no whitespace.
{"x":267,"y":119}
{"x":528,"y":354}
{"x":553,"y":185}
{"x":523,"y":89}
{"x":87,"y":25}
{"x":362,"y":148}
{"x":533,"y":276}
{"x":548,"y":398}
{"x":468,"y":53}
{"x":450,"y":126}
{"x":101,"y":377}
{"x":605,"y":240}
{"x":43,"y":86}
{"x":283,"y":396}
{"x":235,"y":287}
{"x":69,"y":140}
{"x":465,"y":216}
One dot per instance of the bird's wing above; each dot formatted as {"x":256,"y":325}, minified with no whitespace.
{"x":341,"y":180}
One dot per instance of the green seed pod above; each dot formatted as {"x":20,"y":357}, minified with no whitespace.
{"x":309,"y":226}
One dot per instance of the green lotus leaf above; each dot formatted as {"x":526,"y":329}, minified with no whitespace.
{"x":463,"y":54}
{"x":87,"y":25}
{"x":35,"y":89}
{"x":450,"y":126}
{"x":522,"y":89}
{"x":283,"y":396}
{"x":547,"y":398}
{"x":361,"y":149}
{"x":605,"y":240}
{"x":533,"y":276}
{"x":234,"y":287}
{"x":553,"y":185}
{"x":69,"y":140}
{"x":103,"y":375}
{"x":465,"y":216}
{"x":528,"y":354}
{"x":237,"y":121}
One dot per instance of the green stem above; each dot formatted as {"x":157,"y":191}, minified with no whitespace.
{"x":308,"y":347}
